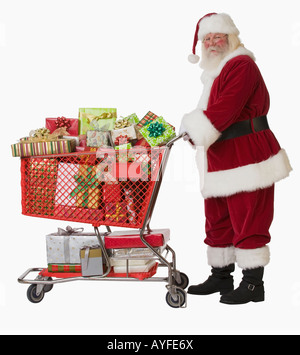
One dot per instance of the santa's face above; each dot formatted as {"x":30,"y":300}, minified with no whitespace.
{"x":215,"y":47}
{"x":216,"y":43}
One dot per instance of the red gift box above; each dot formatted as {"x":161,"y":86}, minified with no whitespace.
{"x":149,"y":117}
{"x":71,"y":124}
{"x":111,"y":192}
{"x":131,"y":239}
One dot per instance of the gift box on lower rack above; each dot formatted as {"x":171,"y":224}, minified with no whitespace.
{"x":131,"y":239}
{"x":64,"y":247}
{"x":91,"y":261}
{"x":123,"y":266}
{"x":69,"y":268}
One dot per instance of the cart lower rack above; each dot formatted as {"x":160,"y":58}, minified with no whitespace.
{"x":106,"y":188}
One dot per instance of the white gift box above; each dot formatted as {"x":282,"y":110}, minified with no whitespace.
{"x":65,"y":249}
{"x":133,"y":266}
{"x":127,"y":131}
{"x":78,"y":242}
{"x":63,"y":190}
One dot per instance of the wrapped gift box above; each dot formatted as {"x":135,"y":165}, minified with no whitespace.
{"x":133,"y":266}
{"x":87,"y":191}
{"x":133,"y":253}
{"x":71,"y":125}
{"x":149,"y":117}
{"x":64,"y":268}
{"x":64,"y":248}
{"x":131,"y":239}
{"x":96,"y":119}
{"x":91,"y":261}
{"x":65,"y":187}
{"x":158,"y":132}
{"x":98,"y":138}
{"x":126,"y":121}
{"x":130,"y":206}
{"x":127,"y":131}
{"x":42,"y":176}
{"x":111,"y":192}
{"x":26,"y":148}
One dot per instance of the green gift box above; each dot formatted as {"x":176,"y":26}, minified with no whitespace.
{"x":158,"y":132}
{"x":102,"y":119}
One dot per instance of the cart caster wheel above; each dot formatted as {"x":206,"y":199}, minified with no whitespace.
{"x":176,"y":303}
{"x":32,"y":296}
{"x":48,"y":288}
{"x":184,"y":282}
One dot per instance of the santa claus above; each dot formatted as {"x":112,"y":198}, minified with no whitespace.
{"x":239,"y":160}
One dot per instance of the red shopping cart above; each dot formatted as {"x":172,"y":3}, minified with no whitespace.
{"x":105,"y":188}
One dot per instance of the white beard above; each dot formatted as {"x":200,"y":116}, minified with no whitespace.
{"x":211,"y":61}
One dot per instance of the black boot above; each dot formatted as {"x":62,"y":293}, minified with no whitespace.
{"x":220,"y":281}
{"x":251,"y":288}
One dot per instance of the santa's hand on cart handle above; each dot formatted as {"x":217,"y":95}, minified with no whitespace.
{"x":172,"y":141}
{"x":185,"y":136}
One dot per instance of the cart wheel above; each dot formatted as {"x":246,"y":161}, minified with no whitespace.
{"x":32,"y":296}
{"x":181,"y":298}
{"x":184,"y":282}
{"x":48,"y":288}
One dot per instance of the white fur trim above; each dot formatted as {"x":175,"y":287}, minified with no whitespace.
{"x":245,"y":178}
{"x":212,"y":74}
{"x":199,"y":128}
{"x":220,"y":257}
{"x":218,"y":23}
{"x":193,"y":58}
{"x":252,"y":258}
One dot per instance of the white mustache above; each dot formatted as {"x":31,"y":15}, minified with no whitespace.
{"x":212,"y":49}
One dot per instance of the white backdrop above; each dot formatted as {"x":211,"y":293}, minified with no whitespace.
{"x":61,"y":55}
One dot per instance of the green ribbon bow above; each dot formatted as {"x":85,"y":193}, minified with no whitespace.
{"x":84,"y":184}
{"x":156,"y":129}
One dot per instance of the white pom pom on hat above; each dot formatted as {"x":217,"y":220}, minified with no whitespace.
{"x":211,"y":23}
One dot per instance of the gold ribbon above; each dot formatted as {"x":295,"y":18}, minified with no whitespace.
{"x":123,"y":123}
{"x":43,"y":135}
{"x":90,"y":117}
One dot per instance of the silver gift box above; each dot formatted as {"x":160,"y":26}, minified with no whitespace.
{"x":91,"y":261}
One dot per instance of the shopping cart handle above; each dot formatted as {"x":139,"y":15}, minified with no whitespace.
{"x":172,"y":141}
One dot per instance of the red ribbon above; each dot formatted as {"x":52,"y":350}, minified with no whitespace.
{"x":122,"y":140}
{"x":62,"y":122}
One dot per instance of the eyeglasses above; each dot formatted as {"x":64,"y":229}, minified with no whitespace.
{"x":214,"y":39}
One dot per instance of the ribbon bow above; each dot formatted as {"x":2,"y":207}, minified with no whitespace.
{"x":122,"y":123}
{"x":156,"y":129}
{"x":84,"y":184}
{"x":62,"y":122}
{"x":118,"y":215}
{"x":43,"y":135}
{"x":122,"y":140}
{"x":69,"y":230}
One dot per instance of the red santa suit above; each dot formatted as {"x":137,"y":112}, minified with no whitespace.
{"x":238,"y":174}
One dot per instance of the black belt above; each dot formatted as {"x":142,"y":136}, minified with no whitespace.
{"x":242,"y":128}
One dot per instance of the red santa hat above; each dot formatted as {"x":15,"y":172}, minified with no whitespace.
{"x":212,"y":23}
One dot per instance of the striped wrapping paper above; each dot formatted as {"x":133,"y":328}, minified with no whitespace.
{"x":26,"y":148}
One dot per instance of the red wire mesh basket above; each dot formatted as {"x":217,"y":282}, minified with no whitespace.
{"x":106,"y":187}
